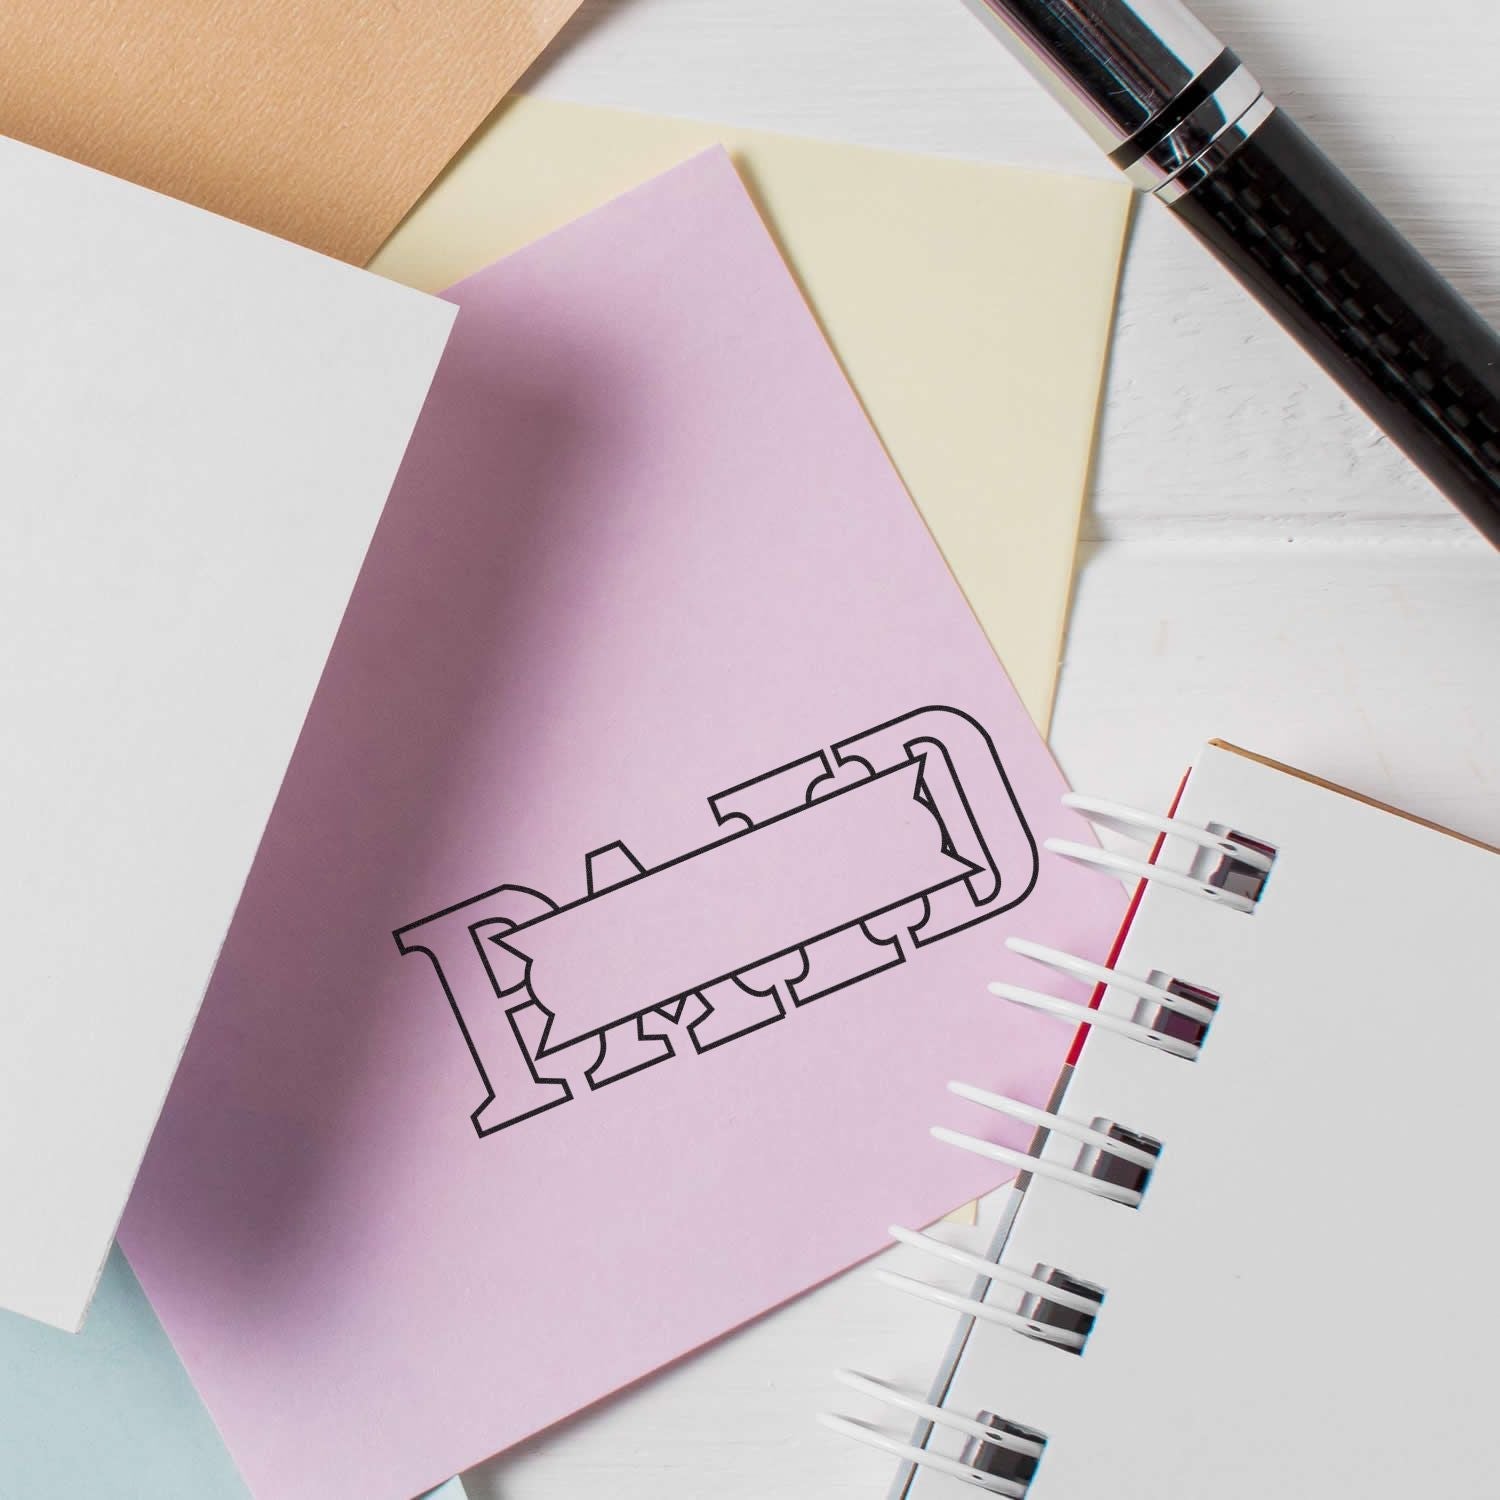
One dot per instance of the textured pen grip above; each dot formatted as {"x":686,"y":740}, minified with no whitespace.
{"x":1364,"y":303}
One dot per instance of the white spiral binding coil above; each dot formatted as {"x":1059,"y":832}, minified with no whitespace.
{"x":1133,"y":821}
{"x":1111,"y":1152}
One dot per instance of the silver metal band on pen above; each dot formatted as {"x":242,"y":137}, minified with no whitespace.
{"x":1160,"y":94}
{"x":1205,"y":139}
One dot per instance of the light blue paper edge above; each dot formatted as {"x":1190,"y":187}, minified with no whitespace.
{"x":110,"y":1413}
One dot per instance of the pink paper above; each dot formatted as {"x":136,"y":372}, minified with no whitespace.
{"x":655,"y":705}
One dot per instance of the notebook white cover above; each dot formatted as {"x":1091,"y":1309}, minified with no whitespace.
{"x":198,"y":427}
{"x":1297,"y":1306}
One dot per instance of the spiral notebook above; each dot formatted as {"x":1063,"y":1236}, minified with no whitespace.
{"x":1247,"y":1253}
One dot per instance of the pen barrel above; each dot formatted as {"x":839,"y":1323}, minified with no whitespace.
{"x":1117,"y":66}
{"x":1343,"y":281}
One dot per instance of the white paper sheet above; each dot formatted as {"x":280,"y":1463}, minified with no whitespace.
{"x":198,"y":427}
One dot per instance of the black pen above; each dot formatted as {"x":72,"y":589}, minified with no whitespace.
{"x":1179,"y":113}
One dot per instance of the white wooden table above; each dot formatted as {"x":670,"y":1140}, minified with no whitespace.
{"x":1258,"y":562}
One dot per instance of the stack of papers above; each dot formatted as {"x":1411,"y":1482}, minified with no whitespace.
{"x":661,"y":808}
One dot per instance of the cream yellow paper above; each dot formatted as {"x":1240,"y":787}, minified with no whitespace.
{"x":970,"y":305}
